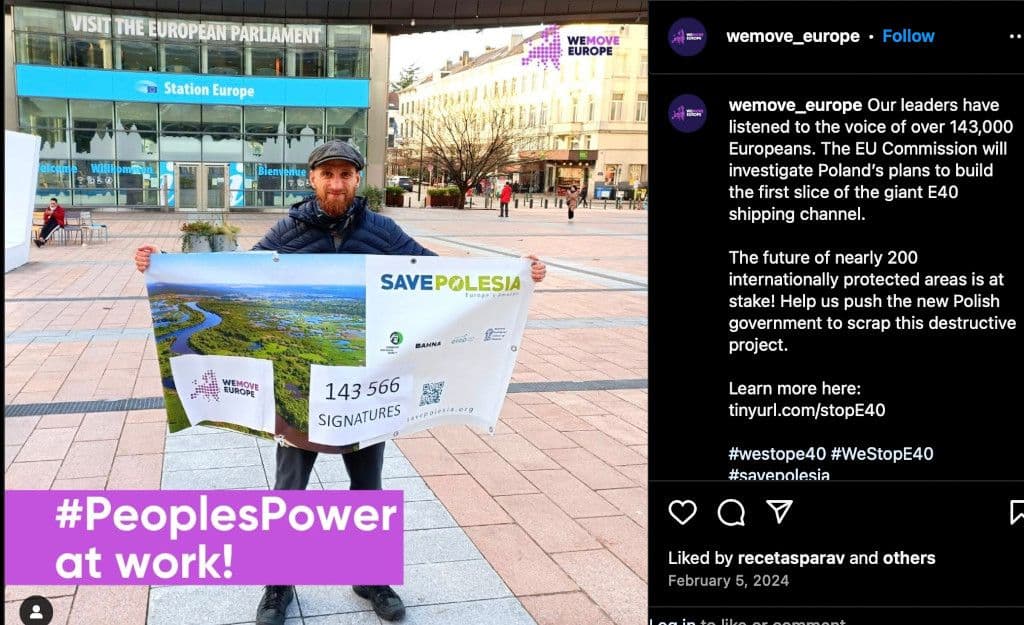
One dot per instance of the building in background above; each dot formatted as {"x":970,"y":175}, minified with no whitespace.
{"x":582,"y":121}
{"x":147,"y":110}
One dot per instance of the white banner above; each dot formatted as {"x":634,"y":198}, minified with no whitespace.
{"x":363,"y":347}
{"x":226,"y":388}
{"x":357,"y":404}
{"x":457,"y":323}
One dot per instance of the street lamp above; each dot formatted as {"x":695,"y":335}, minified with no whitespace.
{"x":419,"y":187}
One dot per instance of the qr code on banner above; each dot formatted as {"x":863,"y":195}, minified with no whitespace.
{"x":431,"y":393}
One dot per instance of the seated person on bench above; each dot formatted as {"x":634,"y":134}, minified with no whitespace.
{"x":52,"y":217}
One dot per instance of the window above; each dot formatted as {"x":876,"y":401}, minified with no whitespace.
{"x":263,"y":119}
{"x":221,"y":132}
{"x":39,"y":49}
{"x":56,"y":176}
{"x":636,"y":173}
{"x":615,"y":114}
{"x":92,"y":186}
{"x":92,"y":122}
{"x":89,"y":53}
{"x":181,"y":59}
{"x":590,"y":108}
{"x":38,"y":20}
{"x":264,"y":148}
{"x":55,"y":143}
{"x":140,"y":185}
{"x":348,"y":36}
{"x":222,"y":118}
{"x":136,"y":55}
{"x":56,"y":182}
{"x":305,"y":127}
{"x":641,"y":107}
{"x":302,"y":120}
{"x":265,"y":61}
{"x":643,"y":64}
{"x":136,"y":136}
{"x":176,"y":118}
{"x":543,"y":121}
{"x":224,"y":61}
{"x":308,"y":63}
{"x":266,"y":187}
{"x":348,"y":63}
{"x":43,"y":112}
{"x":611,"y":171}
{"x":575,"y":108}
{"x":179,"y":128}
{"x":346,"y":123}
{"x":619,"y":64}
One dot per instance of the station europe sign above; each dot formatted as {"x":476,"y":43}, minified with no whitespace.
{"x":98,"y":84}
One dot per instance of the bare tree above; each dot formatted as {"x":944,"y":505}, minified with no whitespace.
{"x":468,"y":141}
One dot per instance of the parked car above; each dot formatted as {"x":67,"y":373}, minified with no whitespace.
{"x":401,"y":181}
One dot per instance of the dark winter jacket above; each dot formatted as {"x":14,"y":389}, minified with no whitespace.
{"x":308,"y":230}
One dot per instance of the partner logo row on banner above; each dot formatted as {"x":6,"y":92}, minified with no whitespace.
{"x":331,"y":351}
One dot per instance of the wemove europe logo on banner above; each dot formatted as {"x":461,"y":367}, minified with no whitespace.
{"x":297,"y":347}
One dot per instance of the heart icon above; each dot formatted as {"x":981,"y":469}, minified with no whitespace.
{"x":688,"y":509}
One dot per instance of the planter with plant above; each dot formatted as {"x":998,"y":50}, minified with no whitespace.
{"x":443,"y":197}
{"x":204,"y":236}
{"x":393,"y":195}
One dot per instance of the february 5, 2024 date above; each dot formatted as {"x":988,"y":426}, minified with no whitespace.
{"x":739,"y":581}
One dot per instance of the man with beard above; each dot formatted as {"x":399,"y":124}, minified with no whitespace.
{"x":334,"y":221}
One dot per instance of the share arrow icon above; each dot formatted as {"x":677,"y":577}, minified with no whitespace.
{"x":780,"y":507}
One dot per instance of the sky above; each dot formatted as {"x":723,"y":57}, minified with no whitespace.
{"x":257,"y":268}
{"x":431,"y":50}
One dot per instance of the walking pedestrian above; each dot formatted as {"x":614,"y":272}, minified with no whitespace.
{"x":506,"y":197}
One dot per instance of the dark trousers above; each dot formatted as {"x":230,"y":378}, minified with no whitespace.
{"x":503,"y":209}
{"x":51,"y":223}
{"x":364,"y":467}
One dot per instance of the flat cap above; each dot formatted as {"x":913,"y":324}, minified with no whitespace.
{"x":336,"y":150}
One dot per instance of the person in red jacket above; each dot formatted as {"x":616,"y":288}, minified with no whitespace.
{"x":53,"y":216}
{"x":506,"y":197}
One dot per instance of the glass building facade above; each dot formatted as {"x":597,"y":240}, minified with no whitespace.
{"x":146,"y":111}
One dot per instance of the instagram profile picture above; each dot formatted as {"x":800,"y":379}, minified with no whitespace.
{"x":687,"y":113}
{"x":687,"y":36}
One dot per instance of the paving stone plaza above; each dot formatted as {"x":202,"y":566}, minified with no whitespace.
{"x":543,"y":523}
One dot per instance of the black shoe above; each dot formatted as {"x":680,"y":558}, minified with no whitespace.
{"x":386,"y":602}
{"x":38,"y":242}
{"x":274,"y":605}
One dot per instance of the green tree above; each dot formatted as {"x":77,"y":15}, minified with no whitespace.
{"x":408,"y":76}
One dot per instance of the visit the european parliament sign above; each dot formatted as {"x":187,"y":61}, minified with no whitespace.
{"x":331,"y":351}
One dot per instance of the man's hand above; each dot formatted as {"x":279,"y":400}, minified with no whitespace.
{"x":142,"y":256}
{"x":537,"y":269}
